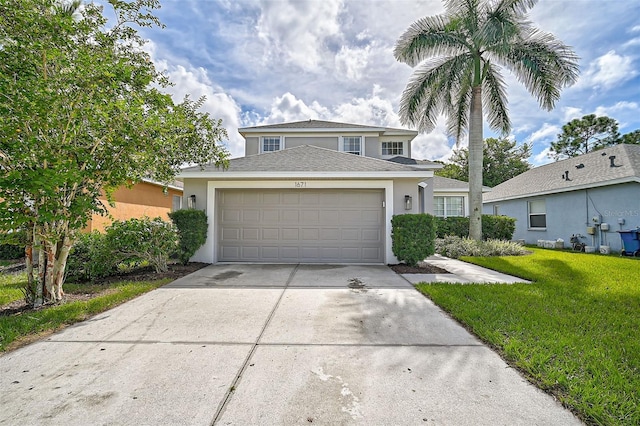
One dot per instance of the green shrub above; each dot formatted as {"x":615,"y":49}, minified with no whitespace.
{"x":413,"y":237}
{"x":11,"y":251}
{"x":493,"y":227}
{"x":192,"y":231}
{"x":90,"y":258}
{"x":454,"y":247}
{"x":498,"y":227}
{"x":137,"y":240}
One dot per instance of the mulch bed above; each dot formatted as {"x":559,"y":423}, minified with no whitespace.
{"x":175,"y":271}
{"x":422,"y":268}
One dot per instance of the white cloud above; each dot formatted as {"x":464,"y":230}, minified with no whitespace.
{"x":608,"y":70}
{"x":352,"y":62}
{"x":288,"y":108}
{"x":297,"y":31}
{"x":546,"y":133}
{"x":618,"y":107}
{"x":571,"y":113}
{"x":541,"y":158}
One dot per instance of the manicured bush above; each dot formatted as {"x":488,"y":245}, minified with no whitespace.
{"x":493,"y":227}
{"x":192,"y":231}
{"x":11,"y":251}
{"x":136,"y":240}
{"x":413,"y":237}
{"x":454,"y":247}
{"x":498,"y":227}
{"x":90,"y":258}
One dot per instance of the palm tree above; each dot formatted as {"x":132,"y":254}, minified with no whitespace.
{"x":459,"y":55}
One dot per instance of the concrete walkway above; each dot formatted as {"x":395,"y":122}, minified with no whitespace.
{"x":270,"y":345}
{"x":462,"y":273}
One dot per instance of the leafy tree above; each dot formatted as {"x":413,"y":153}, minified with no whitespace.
{"x":632,"y":138}
{"x":502,"y":160}
{"x":81,"y":112}
{"x":585,"y":134}
{"x":458,"y":55}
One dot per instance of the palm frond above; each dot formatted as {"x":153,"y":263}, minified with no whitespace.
{"x":459,"y":108}
{"x":427,"y":37}
{"x":494,"y":99}
{"x":542,"y":63}
{"x":515,"y":6}
{"x":429,"y":90}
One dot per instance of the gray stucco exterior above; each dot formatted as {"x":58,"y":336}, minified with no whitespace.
{"x":601,"y":187}
{"x":570,"y":213}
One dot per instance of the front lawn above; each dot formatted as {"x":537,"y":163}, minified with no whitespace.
{"x":23,"y":326}
{"x":575,"y":331}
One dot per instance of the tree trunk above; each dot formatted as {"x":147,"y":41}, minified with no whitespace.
{"x":29,"y":292}
{"x":476,"y":145}
{"x":60,"y":266}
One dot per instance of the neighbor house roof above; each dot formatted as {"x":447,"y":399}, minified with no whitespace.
{"x":323,"y":126}
{"x":306,"y":160}
{"x":609,"y":166}
{"x":443,"y":184}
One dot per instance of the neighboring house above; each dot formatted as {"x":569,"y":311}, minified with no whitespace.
{"x":451,"y":197}
{"x":145,"y":198}
{"x":310,"y":191}
{"x":593,"y":195}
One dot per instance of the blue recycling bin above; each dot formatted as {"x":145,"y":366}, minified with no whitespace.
{"x":630,"y":242}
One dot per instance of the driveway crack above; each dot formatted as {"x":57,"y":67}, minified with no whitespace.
{"x":247,"y":361}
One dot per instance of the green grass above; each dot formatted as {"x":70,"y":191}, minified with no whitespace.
{"x":25,"y":325}
{"x":11,"y":287}
{"x":575,"y":331}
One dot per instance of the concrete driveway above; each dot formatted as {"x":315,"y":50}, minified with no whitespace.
{"x":270,"y":345}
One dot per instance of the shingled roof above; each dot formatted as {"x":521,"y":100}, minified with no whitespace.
{"x":597,"y":168}
{"x":319,"y":125}
{"x":305,"y":158}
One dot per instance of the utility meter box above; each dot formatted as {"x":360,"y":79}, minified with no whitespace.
{"x":591,"y":230}
{"x":604,"y":226}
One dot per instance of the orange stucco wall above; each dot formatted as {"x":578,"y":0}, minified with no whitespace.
{"x":142,"y":199}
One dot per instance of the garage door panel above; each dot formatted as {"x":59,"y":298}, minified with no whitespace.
{"x":251,"y":234}
{"x":290,"y":216}
{"x":276,"y":225}
{"x":270,"y":234}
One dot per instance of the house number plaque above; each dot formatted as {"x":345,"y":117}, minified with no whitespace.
{"x":300,"y":184}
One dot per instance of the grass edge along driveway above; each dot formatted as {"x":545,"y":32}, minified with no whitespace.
{"x":24,"y":327}
{"x":574,"y":332}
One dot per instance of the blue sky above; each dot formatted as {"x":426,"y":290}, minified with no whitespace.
{"x":270,"y":61}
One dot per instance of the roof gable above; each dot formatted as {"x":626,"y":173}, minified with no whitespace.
{"x":584,"y":171}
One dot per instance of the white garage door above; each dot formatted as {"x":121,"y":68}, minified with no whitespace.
{"x":301,"y":226}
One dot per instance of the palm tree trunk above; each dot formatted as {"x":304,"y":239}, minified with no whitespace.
{"x":475,"y":164}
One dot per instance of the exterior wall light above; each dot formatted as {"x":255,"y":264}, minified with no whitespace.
{"x":408,"y":202}
{"x":192,"y":202}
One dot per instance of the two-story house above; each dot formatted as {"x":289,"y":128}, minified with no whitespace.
{"x":310,"y":191}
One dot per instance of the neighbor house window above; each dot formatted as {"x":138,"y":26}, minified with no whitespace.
{"x":176,"y":203}
{"x":352,"y":144}
{"x":448,"y":206}
{"x":537,"y":214}
{"x":270,"y":143}
{"x":392,"y":148}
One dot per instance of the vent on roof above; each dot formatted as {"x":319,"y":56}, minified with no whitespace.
{"x":603,"y":154}
{"x":565,"y":176}
{"x":580,"y":166}
{"x":613,"y":161}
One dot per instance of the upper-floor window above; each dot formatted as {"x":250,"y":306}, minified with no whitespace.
{"x":352,"y":144}
{"x":271,"y":143}
{"x":448,"y":206}
{"x":537,"y":214}
{"x":392,"y":148}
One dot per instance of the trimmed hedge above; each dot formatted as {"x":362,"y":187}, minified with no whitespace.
{"x":192,"y":231}
{"x":90,"y":258}
{"x":413,"y":237}
{"x":10,"y":251}
{"x":493,"y":227}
